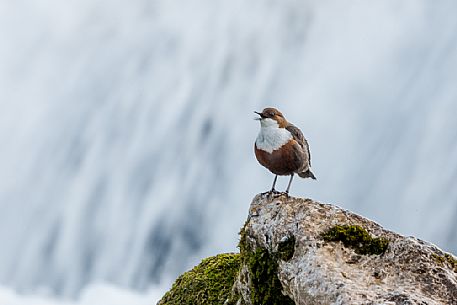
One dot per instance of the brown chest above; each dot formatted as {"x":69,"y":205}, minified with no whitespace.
{"x":283,"y":161}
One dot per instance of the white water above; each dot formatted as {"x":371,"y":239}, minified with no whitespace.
{"x":127,"y":136}
{"x":94,"y":295}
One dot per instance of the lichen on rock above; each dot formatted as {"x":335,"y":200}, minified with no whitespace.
{"x":206,"y":284}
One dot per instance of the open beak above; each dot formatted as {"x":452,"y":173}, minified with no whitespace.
{"x":260,"y":114}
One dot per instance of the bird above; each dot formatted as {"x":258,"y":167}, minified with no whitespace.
{"x":281,"y":147}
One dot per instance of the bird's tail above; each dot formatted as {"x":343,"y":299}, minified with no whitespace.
{"x":307,"y":174}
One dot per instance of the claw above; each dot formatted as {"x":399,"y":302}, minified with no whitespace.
{"x":270,"y":193}
{"x":284,"y":194}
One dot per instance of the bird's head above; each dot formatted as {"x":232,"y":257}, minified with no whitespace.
{"x":271,"y":117}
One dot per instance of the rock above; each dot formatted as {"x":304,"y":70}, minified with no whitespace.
{"x":298,"y":251}
{"x":327,"y":255}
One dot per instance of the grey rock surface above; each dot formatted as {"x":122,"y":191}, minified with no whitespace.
{"x":410,"y":271}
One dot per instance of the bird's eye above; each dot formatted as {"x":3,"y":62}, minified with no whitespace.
{"x":272,"y":114}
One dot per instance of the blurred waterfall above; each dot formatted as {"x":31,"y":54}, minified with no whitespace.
{"x":127,"y":132}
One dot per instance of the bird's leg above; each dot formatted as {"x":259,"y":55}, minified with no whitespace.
{"x":274,"y":183}
{"x":290,"y":182}
{"x":272,"y":191}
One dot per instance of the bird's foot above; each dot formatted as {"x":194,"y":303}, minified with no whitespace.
{"x":283,"y":194}
{"x":272,"y":192}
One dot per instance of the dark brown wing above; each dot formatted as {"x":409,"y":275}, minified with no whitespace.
{"x":298,"y":136}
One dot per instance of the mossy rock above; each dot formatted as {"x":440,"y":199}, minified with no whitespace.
{"x":265,"y":287}
{"x":209,"y":283}
{"x":446,"y":259}
{"x":357,"y":238}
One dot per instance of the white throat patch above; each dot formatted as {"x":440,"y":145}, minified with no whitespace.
{"x":271,"y":137}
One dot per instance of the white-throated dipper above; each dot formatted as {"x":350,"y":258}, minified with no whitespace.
{"x":281,"y":147}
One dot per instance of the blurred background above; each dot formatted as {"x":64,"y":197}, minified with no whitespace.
{"x":127,"y":130}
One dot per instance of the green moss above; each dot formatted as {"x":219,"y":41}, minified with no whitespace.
{"x":357,"y":238}
{"x":266,"y":289}
{"x":438,"y":258}
{"x":242,"y":244}
{"x":212,"y":280}
{"x":209,"y":283}
{"x":446,"y":259}
{"x":451,"y":261}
